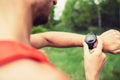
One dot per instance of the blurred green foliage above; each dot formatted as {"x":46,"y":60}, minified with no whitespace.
{"x":38,"y":29}
{"x":70,"y":60}
{"x":79,"y":15}
{"x":82,"y":15}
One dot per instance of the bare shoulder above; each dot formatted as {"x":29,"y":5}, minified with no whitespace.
{"x":26,"y":69}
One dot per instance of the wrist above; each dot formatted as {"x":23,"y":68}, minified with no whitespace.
{"x":92,"y":76}
{"x":82,"y":38}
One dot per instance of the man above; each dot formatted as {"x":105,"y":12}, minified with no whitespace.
{"x":18,"y":60}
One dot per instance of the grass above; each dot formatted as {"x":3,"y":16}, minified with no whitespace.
{"x":70,"y":60}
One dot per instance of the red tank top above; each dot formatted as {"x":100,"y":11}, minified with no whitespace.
{"x":10,"y":51}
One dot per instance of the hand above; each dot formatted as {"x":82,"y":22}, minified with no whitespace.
{"x":94,"y":60}
{"x":111,"y":41}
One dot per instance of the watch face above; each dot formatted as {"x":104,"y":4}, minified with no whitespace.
{"x":90,"y":39}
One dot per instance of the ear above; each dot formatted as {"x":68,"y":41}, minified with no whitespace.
{"x":54,"y":2}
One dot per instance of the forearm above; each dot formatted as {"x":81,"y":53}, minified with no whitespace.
{"x":57,"y":39}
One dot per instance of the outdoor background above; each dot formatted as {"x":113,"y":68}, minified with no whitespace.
{"x":82,"y":16}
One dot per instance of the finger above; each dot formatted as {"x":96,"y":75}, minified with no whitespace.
{"x":92,"y":51}
{"x":95,"y":45}
{"x":104,"y":56}
{"x":86,"y":49}
{"x":100,"y":45}
{"x":116,"y":51}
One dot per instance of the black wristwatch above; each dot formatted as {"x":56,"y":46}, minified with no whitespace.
{"x":90,"y":39}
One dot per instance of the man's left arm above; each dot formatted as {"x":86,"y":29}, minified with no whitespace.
{"x":110,"y":38}
{"x":56,"y":39}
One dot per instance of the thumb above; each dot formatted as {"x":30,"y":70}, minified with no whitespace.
{"x":86,"y":49}
{"x":99,"y":45}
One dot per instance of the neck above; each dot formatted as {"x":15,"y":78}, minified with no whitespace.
{"x":15,"y":21}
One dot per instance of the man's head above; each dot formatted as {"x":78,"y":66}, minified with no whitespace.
{"x":41,"y":11}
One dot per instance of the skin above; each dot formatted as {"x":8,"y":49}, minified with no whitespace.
{"x":26,"y":69}
{"x":93,"y":58}
{"x":111,"y":41}
{"x":65,"y":39}
{"x":16,"y":70}
{"x":16,"y":21}
{"x":56,"y":39}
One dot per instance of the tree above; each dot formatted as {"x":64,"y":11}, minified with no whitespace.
{"x":79,"y":14}
{"x":110,"y":13}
